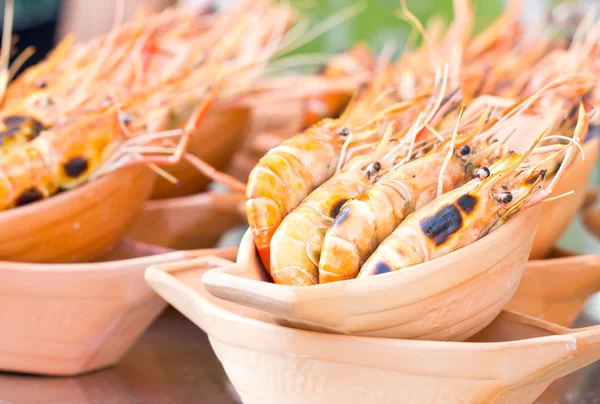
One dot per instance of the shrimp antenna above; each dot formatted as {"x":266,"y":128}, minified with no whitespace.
{"x":413,"y":136}
{"x":343,"y":152}
{"x":450,"y":152}
{"x":417,"y":24}
{"x":579,"y":135}
{"x":20,"y":61}
{"x":554,"y":198}
{"x":497,"y":175}
{"x":9,"y":11}
{"x":441,"y":97}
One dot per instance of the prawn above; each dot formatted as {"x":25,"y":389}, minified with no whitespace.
{"x":290,"y":171}
{"x":296,"y":244}
{"x":464,"y":215}
{"x":71,"y":153}
{"x":365,"y":221}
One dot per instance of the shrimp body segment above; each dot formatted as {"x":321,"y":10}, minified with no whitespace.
{"x":296,"y":245}
{"x":452,"y":221}
{"x":462,"y":216}
{"x":364,"y":222}
{"x":286,"y":175}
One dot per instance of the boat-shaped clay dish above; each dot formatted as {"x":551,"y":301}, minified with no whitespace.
{"x":558,"y":215}
{"x":195,"y":221}
{"x":78,"y":225}
{"x":216,"y":141}
{"x":448,"y":298}
{"x":68,"y":319}
{"x":557,"y":288}
{"x":513,"y":360}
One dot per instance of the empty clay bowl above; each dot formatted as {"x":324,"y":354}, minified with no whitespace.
{"x":556,"y":289}
{"x":448,"y":298}
{"x":78,"y":225}
{"x":195,"y":221}
{"x":67,"y":319}
{"x":217,"y":140}
{"x":558,"y":215}
{"x":513,"y":360}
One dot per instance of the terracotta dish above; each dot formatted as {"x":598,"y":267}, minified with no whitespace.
{"x":513,"y":360}
{"x":448,"y":298}
{"x":195,"y":221}
{"x":216,"y":142}
{"x":557,"y":288}
{"x":67,"y":319}
{"x":558,"y":215}
{"x":78,"y":225}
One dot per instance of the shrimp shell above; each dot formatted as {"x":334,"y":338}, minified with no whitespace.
{"x":364,"y":222}
{"x":285,"y":176}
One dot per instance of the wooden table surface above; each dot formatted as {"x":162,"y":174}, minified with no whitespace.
{"x":173,"y":363}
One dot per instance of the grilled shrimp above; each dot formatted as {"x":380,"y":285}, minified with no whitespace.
{"x":462,"y":216}
{"x":365,"y":221}
{"x":296,"y":244}
{"x":73,"y":152}
{"x":290,"y":171}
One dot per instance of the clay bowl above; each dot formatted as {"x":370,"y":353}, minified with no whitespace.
{"x":68,"y":319}
{"x":449,"y":298}
{"x":513,"y":360}
{"x":195,"y":221}
{"x":556,"y":289}
{"x":216,"y":142}
{"x":78,"y":225}
{"x":558,"y":215}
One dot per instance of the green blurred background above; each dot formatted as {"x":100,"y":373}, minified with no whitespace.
{"x":379,"y":21}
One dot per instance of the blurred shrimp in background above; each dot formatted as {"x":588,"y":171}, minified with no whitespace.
{"x":40,"y":24}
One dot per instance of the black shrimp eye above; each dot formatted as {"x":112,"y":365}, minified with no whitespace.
{"x":344,"y":132}
{"x":464,"y":150}
{"x":373,"y":168}
{"x":127,"y":119}
{"x":506,"y":197}
{"x":482,"y":173}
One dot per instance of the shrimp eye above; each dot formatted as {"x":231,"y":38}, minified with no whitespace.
{"x":344,"y":132}
{"x":505,"y":197}
{"x":464,"y":150}
{"x":127,"y":119}
{"x":46,"y":101}
{"x":41,"y":84}
{"x":482,"y":173}
{"x":373,"y":168}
